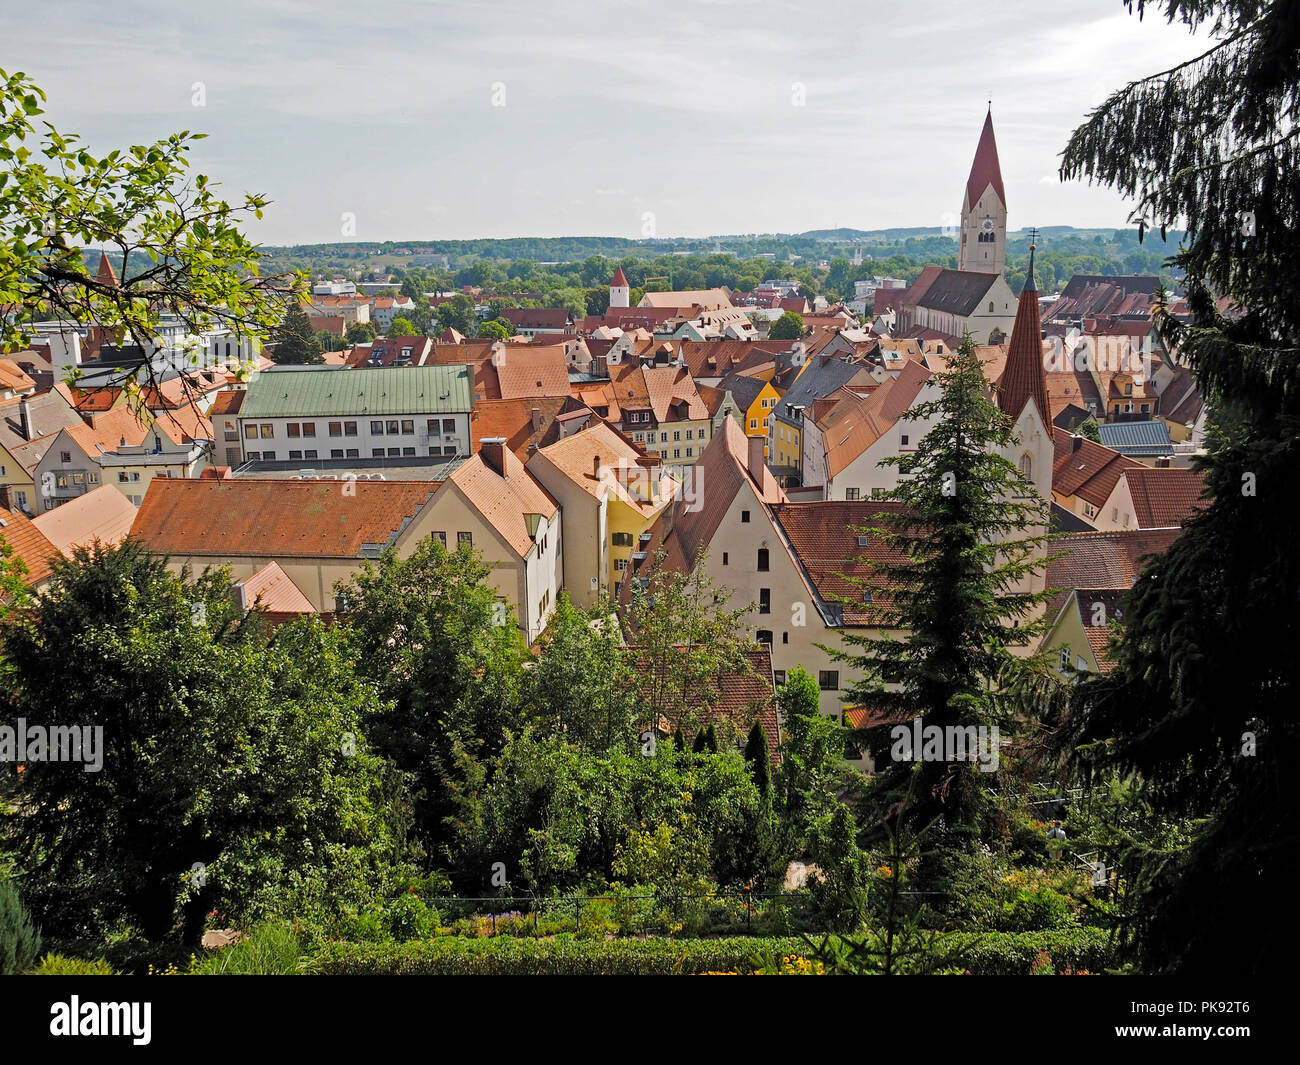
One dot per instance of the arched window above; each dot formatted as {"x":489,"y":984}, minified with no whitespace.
{"x":1027,"y":465}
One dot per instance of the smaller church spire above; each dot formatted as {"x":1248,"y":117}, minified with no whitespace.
{"x":1030,"y":284}
{"x":1025,"y":377}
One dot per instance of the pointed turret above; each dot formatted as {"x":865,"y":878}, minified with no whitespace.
{"x":1025,"y":377}
{"x":985,"y":170}
{"x":619,"y":291}
{"x":106,"y":275}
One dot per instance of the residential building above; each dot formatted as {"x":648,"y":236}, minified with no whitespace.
{"x":1146,"y":498}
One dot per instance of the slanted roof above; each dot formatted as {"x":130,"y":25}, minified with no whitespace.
{"x":1137,"y":438}
{"x":103,"y":514}
{"x":1085,"y":468}
{"x":533,"y":370}
{"x":505,"y":501}
{"x":271,"y":589}
{"x":1102,"y":560}
{"x":29,"y":544}
{"x":620,"y":279}
{"x":275,"y":518}
{"x":1164,"y":497}
{"x":1025,"y":376}
{"x":956,"y":292}
{"x":601,"y":447}
{"x":513,"y":420}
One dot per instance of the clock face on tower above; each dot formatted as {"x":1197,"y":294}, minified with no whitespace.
{"x":987,"y":224}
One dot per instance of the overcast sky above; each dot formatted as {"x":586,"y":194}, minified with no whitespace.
{"x":687,"y":109}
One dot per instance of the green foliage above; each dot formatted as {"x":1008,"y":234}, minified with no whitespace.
{"x":984,"y":954}
{"x":295,"y":342}
{"x":510,"y":956}
{"x":409,"y":918}
{"x":359,"y":333}
{"x":788,"y":327}
{"x":759,"y":759}
{"x":812,"y":754}
{"x":221,"y":747}
{"x":269,"y":949}
{"x":493,"y":330}
{"x":402,"y":327}
{"x":970,"y":530}
{"x":1200,"y":707}
{"x":173,"y":242}
{"x":1089,"y":429}
{"x":58,"y":965}
{"x":20,"y":942}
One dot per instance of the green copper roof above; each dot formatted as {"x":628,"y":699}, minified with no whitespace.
{"x":386,"y":390}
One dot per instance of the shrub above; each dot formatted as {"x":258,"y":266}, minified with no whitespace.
{"x":410,"y":918}
{"x":58,"y":965}
{"x":269,"y":949}
{"x":1037,"y":911}
{"x":20,"y":942}
{"x":505,"y":955}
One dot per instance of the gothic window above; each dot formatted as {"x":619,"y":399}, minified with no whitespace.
{"x":1027,"y":465}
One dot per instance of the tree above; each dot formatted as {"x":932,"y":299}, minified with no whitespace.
{"x":402,"y":327}
{"x":756,"y":754}
{"x":457,"y":313}
{"x":1200,"y":706}
{"x":812,"y":752}
{"x":446,"y":656}
{"x":359,"y":333}
{"x":581,"y":682}
{"x":959,"y":556}
{"x":20,"y":942}
{"x":686,"y":639}
{"x":296,"y":344}
{"x":788,"y":327}
{"x":413,"y":287}
{"x":221,"y":773}
{"x":493,"y":330}
{"x":1090,"y":430}
{"x":331,"y":341}
{"x":173,"y":244}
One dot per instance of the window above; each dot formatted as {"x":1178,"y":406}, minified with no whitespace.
{"x":663,"y":438}
{"x":765,"y":636}
{"x":448,"y":425}
{"x":408,"y":427}
{"x":309,"y":429}
{"x":231,"y":434}
{"x":851,"y":493}
{"x":724,"y":558}
{"x":336,"y":452}
{"x":1114,"y":514}
{"x":762,"y":560}
{"x":336,"y":428}
{"x":394,"y":427}
{"x":435,"y":426}
{"x":1065,"y":659}
{"x":744,"y":517}
{"x":349,"y":428}
{"x":465,"y":538}
{"x":862,"y":541}
{"x":765,"y":600}
{"x":295,"y":455}
{"x":310,"y":453}
{"x":1027,"y":465}
{"x":1146,"y":408}
{"x":903,"y":440}
{"x":621,"y":539}
{"x":353,"y":453}
{"x":409,"y":452}
{"x":20,"y":497}
{"x":778,"y":676}
{"x":677,"y":434}
{"x":868,"y":596}
{"x":376,"y":452}
{"x":620,"y":564}
{"x":394,"y":452}
{"x":253,"y":456}
{"x":267,"y":456}
{"x":268,"y":432}
{"x":293,"y":429}
{"x":753,"y":423}
{"x":677,"y":452}
{"x":250,"y":432}
{"x":828,"y":680}
{"x":136,"y":476}
{"x":376,"y":428}
{"x":690,"y":434}
{"x":785,"y":637}
{"x":442,"y":538}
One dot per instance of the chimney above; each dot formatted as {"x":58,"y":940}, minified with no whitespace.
{"x":1076,"y":442}
{"x":241,"y":597}
{"x":595,"y":466}
{"x":25,"y":416}
{"x":756,"y":461}
{"x":536,"y":418}
{"x":493,"y":452}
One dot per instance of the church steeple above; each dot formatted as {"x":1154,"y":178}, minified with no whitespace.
{"x":984,"y":209}
{"x":1025,"y":377}
{"x":106,"y":274}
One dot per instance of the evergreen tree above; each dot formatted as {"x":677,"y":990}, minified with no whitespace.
{"x":20,"y":942}
{"x":295,"y":342}
{"x":679,"y":741}
{"x":1201,"y":703}
{"x":959,"y":562}
{"x":711,"y":738}
{"x":1090,"y":430}
{"x":812,"y":750}
{"x":756,"y":754}
{"x":701,"y":744}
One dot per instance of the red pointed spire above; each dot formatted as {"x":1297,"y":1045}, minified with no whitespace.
{"x":985,"y":171}
{"x":106,"y":274}
{"x":1025,"y":377}
{"x":620,"y":279}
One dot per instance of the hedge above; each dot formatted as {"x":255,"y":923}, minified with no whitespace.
{"x":508,"y":956}
{"x":984,"y":954}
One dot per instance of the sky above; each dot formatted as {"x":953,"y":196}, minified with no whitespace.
{"x":672,"y":118}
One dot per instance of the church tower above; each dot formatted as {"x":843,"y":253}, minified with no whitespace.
{"x":984,"y":210}
{"x":619,"y":291}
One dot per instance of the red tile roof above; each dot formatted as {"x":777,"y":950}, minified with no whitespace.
{"x":1101,"y":560}
{"x":620,"y":279}
{"x":275,"y":518}
{"x":1085,"y":468}
{"x":505,"y":501}
{"x":271,"y":589}
{"x":103,"y":514}
{"x":1164,"y":497}
{"x":29,"y":544}
{"x":1025,"y":376}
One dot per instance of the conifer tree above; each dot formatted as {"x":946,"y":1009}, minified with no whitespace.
{"x":965,"y":531}
{"x":756,"y":754}
{"x":295,"y":342}
{"x":1200,"y":707}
